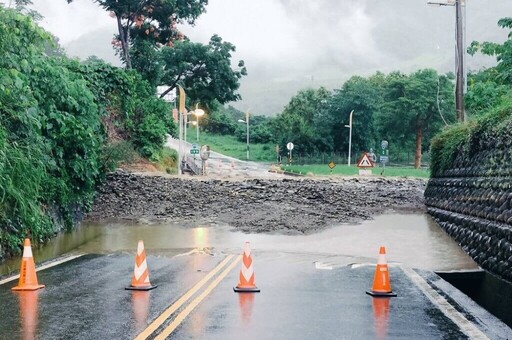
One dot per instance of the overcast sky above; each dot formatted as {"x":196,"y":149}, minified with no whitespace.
{"x":292,"y":44}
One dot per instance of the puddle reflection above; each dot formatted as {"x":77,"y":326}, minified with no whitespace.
{"x":140,"y":307}
{"x":246,"y":302}
{"x":28,"y":303}
{"x":381,"y":316}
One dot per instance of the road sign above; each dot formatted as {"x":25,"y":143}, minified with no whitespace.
{"x":331,"y":165}
{"x":384,"y":144}
{"x":365,"y":172}
{"x":289,"y":146}
{"x":384,"y":159}
{"x":194,"y":151}
{"x":365,"y":161}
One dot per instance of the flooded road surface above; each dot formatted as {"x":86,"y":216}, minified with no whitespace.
{"x":411,"y":239}
{"x":307,"y":289}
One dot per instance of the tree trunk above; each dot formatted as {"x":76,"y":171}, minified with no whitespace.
{"x":417,"y":156}
{"x":124,"y":43}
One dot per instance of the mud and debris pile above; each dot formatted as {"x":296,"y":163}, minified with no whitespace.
{"x":290,"y":206}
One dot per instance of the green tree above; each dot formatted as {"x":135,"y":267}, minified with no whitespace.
{"x":502,"y":52}
{"x":220,"y":120}
{"x":484,"y":92}
{"x":488,"y":88}
{"x":151,"y":20}
{"x":303,"y":122}
{"x":363,"y":96}
{"x":203,"y":70}
{"x":415,"y":107}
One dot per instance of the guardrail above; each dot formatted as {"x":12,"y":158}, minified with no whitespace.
{"x":188,"y":164}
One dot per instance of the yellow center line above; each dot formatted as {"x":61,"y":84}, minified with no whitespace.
{"x":181,"y":316}
{"x":174,"y":307}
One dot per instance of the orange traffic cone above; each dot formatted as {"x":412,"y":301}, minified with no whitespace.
{"x":246,"y":283}
{"x":28,"y":276}
{"x":140,"y":278}
{"x":381,"y":286}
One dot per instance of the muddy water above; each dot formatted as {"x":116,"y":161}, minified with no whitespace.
{"x":411,"y":239}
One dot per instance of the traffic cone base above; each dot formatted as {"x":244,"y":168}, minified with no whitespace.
{"x":140,"y":278}
{"x":380,"y":294}
{"x":141,"y":287}
{"x":27,"y":287}
{"x":246,"y":289}
{"x":28,"y":276}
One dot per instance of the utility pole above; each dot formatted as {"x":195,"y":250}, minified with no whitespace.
{"x":460,"y":83}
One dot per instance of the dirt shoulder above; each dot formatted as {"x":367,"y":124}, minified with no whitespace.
{"x":286,"y":205}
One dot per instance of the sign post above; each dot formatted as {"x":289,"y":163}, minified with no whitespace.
{"x":289,"y":146}
{"x":365,"y":164}
{"x":384,"y":155}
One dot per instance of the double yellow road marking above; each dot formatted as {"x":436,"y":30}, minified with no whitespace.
{"x":175,"y":306}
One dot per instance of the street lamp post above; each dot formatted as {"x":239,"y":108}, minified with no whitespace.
{"x":246,"y":121}
{"x":350,"y":136}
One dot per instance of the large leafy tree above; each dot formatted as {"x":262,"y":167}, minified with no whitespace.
{"x":203,"y":70}
{"x":363,"y":96}
{"x":416,"y":107}
{"x":151,"y":20}
{"x":149,"y":41}
{"x":303,"y":122}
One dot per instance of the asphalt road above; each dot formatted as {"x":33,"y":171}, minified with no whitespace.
{"x":85,"y":299}
{"x":219,"y":165}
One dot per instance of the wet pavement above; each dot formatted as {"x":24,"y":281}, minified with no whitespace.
{"x":85,"y":298}
{"x":311,"y":286}
{"x":298,"y":301}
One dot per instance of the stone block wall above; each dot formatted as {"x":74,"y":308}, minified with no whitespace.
{"x":472,"y":202}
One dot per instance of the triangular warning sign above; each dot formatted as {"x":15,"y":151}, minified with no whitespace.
{"x":365,"y":161}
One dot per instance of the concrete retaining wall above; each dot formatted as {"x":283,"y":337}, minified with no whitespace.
{"x":472,"y":202}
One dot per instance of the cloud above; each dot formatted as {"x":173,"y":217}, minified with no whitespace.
{"x":71,"y":22}
{"x":291,"y":44}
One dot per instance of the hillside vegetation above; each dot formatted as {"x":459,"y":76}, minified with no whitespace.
{"x":63,"y":124}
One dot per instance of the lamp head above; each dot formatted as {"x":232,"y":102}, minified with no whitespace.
{"x":199,"y":112}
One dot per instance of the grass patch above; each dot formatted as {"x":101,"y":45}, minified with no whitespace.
{"x":230,"y":146}
{"x":345,"y":170}
{"x":166,"y":160}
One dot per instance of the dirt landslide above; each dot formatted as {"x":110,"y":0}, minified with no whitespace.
{"x":286,"y":205}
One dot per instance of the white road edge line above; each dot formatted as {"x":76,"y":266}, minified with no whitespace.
{"x":43,"y":267}
{"x":460,"y":320}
